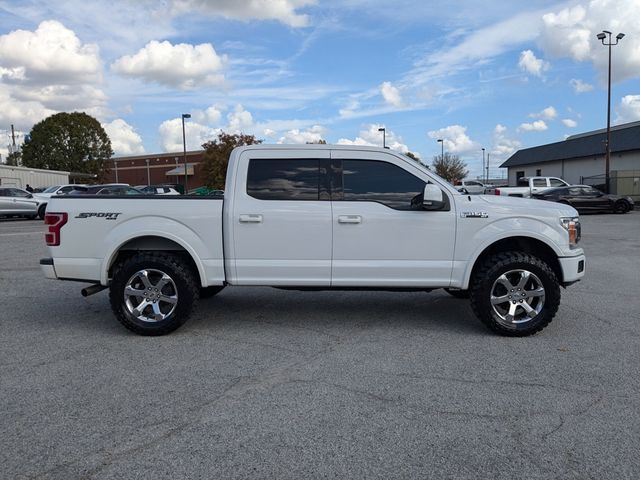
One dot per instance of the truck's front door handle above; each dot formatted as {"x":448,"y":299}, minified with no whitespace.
{"x":251,"y":218}
{"x":349,"y":219}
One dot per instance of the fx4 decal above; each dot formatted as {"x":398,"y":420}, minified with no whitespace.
{"x":474,"y":214}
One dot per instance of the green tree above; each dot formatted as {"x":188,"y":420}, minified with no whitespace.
{"x":450,"y":167}
{"x":413,"y":156}
{"x":216,"y":156}
{"x":14,"y":159}
{"x":73,"y":142}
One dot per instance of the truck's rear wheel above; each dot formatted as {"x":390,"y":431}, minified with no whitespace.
{"x":515,"y":294}
{"x":153,"y":293}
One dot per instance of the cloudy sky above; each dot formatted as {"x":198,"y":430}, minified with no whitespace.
{"x":492,"y":74}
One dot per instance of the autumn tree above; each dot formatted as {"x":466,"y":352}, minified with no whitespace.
{"x":73,"y":142}
{"x":216,"y":156}
{"x":450,"y":167}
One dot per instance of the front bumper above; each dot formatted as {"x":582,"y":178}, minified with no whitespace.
{"x":573,"y":268}
{"x":46,"y":264}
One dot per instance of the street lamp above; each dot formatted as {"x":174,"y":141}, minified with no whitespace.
{"x":184,"y":149}
{"x":602,"y":36}
{"x":483,"y":159}
{"x":441,"y":142}
{"x":488,"y":157}
{"x":384,"y":135}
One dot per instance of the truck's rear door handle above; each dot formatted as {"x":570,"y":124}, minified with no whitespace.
{"x":349,"y":219}
{"x":251,"y":218}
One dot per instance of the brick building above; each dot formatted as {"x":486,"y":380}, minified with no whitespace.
{"x":158,"y":168}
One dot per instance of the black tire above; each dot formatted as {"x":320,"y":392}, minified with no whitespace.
{"x":42,"y":209}
{"x":175,"y":299}
{"x":208,"y":292}
{"x":457,"y":293}
{"x":487,"y":281}
{"x":621,"y":206}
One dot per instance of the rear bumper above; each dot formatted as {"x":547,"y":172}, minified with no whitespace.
{"x":46,"y":264}
{"x":573,"y":268}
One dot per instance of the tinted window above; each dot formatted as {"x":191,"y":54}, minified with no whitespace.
{"x":574,"y":192}
{"x":280,"y":179}
{"x":556,"y":182}
{"x":4,"y":192}
{"x":371,"y":181}
{"x":473,"y":184}
{"x":539,"y":182}
{"x":590,"y":191}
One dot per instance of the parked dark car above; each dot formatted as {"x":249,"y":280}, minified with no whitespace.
{"x":106,"y":190}
{"x":585,"y":198}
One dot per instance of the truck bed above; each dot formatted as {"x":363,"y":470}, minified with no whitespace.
{"x":97,"y":227}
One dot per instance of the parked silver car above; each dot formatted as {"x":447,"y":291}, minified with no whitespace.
{"x":17,"y":202}
{"x":472,"y":187}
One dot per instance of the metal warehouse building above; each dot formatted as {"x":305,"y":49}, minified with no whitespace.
{"x":21,"y":176}
{"x":580,"y":159}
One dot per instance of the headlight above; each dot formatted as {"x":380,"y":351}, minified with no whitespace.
{"x":572,"y":225}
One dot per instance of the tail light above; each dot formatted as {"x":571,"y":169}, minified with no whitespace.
{"x":54,"y":221}
{"x":496,"y":191}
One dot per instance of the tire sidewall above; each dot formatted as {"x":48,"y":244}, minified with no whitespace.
{"x":185,"y":292}
{"x":552,"y":297}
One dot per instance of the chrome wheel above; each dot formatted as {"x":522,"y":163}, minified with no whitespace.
{"x":517,"y":296}
{"x":150,"y":295}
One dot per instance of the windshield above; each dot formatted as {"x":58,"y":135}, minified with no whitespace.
{"x":52,"y":189}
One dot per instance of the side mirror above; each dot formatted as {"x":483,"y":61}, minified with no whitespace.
{"x":29,"y":196}
{"x":433,"y":197}
{"x":463,"y":190}
{"x":59,"y":192}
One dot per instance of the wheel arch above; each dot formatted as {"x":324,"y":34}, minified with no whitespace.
{"x":526,"y":244}
{"x":151,"y":242}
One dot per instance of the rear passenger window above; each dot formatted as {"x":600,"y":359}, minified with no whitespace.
{"x":382,"y":182}
{"x":284,"y":179}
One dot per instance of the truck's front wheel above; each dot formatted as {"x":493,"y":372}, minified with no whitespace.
{"x":515,"y":294}
{"x":153,"y":293}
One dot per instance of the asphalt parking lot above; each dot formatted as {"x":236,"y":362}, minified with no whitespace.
{"x":263,"y":383}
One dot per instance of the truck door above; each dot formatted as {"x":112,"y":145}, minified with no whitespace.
{"x":381,"y":234}
{"x":281,"y":219}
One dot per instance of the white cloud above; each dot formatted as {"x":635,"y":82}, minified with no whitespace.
{"x":183,"y":65}
{"x":195,"y":133}
{"x":579,"y":86}
{"x":284,"y":11}
{"x":51,"y":54}
{"x":569,"y":123}
{"x":310,"y":135}
{"x":571,"y":32}
{"x":370,"y":136}
{"x":548,"y":113}
{"x":503,"y":146}
{"x":629,"y":109}
{"x":537,"y":126}
{"x":45,"y":71}
{"x":240,"y":120}
{"x":124,"y":139}
{"x":210,"y":116}
{"x":531,"y":64}
{"x":455,"y":139}
{"x":269,"y":133}
{"x":391,"y":94}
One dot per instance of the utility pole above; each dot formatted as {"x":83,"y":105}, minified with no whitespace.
{"x":487,"y":177}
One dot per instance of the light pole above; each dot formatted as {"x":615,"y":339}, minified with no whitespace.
{"x":486,"y":180}
{"x":602,"y":36}
{"x":441,"y":142}
{"x":184,"y":150}
{"x":148,"y":176}
{"x":483,"y":159}
{"x":384,"y":136}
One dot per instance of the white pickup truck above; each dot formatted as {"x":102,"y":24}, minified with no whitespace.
{"x":318,"y":217}
{"x":527,"y":186}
